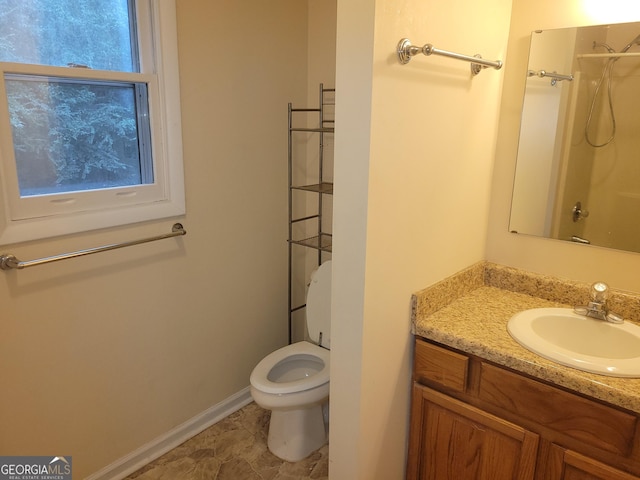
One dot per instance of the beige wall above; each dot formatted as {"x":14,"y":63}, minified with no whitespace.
{"x":102,"y":354}
{"x":414,"y":153}
{"x":563,"y":259}
{"x":321,"y":47}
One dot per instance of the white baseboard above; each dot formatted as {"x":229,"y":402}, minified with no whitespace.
{"x":161,"y":445}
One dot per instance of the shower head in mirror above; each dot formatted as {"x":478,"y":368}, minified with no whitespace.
{"x":609,"y":49}
{"x":635,"y":41}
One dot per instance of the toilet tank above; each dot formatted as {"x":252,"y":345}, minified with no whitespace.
{"x":319,"y":305}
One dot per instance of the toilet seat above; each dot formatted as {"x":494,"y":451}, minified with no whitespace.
{"x":259,"y":377}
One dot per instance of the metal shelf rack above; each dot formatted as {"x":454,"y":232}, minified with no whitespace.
{"x":316,"y":238}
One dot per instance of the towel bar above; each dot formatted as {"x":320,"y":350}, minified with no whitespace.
{"x":8,"y":261}
{"x":406,"y":50}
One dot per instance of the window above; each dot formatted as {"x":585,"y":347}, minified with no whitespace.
{"x":89,"y":115}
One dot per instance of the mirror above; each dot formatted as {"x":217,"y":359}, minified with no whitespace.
{"x":578,"y":167}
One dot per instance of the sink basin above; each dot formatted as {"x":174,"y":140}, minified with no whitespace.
{"x":585,"y":343}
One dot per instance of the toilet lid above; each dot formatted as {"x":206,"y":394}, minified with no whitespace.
{"x":319,"y":305}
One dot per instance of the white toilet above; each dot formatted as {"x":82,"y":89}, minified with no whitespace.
{"x":293,"y":381}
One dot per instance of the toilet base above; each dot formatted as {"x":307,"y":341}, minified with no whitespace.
{"x":295,"y":433}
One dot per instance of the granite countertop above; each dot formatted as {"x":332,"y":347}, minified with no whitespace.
{"x":470,"y":310}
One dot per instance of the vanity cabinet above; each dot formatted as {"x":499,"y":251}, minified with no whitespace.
{"x":569,"y":465}
{"x":458,"y":441}
{"x":474,"y":420}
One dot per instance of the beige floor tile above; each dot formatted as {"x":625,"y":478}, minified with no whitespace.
{"x":233,"y":449}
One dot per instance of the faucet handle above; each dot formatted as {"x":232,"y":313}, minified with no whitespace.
{"x":614,"y":318}
{"x":599,"y":292}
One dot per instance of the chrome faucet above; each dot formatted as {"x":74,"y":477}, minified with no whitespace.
{"x":597,"y":306}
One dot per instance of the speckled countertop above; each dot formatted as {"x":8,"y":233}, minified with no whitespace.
{"x":470,"y":310}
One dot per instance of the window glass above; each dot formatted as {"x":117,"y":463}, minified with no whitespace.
{"x":90,"y":133}
{"x":93,"y":33}
{"x":73,"y":136}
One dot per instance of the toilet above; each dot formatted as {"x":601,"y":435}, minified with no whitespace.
{"x":293,"y":381}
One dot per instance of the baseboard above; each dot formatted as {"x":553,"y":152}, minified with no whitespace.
{"x":161,"y":445}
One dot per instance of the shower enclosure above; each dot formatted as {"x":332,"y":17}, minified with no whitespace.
{"x":578,"y":170}
{"x":601,"y":151}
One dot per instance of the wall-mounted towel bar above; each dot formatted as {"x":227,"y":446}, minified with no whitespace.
{"x":405,"y":51}
{"x":555,"y":77}
{"x":8,"y":261}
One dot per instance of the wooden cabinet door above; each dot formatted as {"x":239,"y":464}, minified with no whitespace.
{"x":568,"y":465}
{"x":451,"y":440}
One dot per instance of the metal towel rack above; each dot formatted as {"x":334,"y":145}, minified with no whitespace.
{"x":8,"y":261}
{"x":554,"y":76}
{"x":406,"y":50}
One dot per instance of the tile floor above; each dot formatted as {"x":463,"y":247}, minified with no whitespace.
{"x":233,"y":449}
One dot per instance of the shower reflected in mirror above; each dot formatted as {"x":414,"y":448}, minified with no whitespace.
{"x":578,"y":167}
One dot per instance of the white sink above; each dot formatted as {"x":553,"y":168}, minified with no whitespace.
{"x":585,"y":343}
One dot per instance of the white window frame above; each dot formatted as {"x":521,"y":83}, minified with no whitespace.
{"x":73,"y":212}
